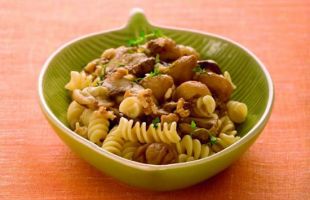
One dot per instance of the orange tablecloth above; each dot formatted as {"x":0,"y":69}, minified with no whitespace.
{"x":35,"y":164}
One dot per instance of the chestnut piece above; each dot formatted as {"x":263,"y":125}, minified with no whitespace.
{"x":191,"y":89}
{"x":218,"y":84}
{"x":158,"y":84}
{"x":181,"y":70}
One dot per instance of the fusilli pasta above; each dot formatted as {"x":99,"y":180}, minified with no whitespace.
{"x":226,"y":126}
{"x":85,"y":116}
{"x":204,"y":106}
{"x":131,"y":107}
{"x":165,"y":132}
{"x":129,"y":149}
{"x":74,"y":112}
{"x":113,"y":142}
{"x":226,"y":140}
{"x":78,"y":81}
{"x":192,"y":148}
{"x":237,"y":111}
{"x":81,"y":130}
{"x":98,"y":126}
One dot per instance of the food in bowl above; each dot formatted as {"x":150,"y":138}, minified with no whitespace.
{"x":155,"y":101}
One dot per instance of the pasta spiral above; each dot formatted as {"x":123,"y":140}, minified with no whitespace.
{"x":98,"y":127}
{"x":137,"y":132}
{"x":78,"y":81}
{"x":113,"y":142}
{"x":226,"y":126}
{"x":85,"y":116}
{"x":74,"y":112}
{"x":192,"y":148}
{"x":185,"y":158}
{"x":81,"y":130}
{"x":131,"y":107}
{"x":226,"y":140}
{"x":204,"y":106}
{"x":237,"y":111}
{"x":129,"y":149}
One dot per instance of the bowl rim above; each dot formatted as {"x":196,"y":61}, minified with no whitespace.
{"x":135,"y":14}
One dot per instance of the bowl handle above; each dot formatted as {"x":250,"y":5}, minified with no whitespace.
{"x":137,"y":19}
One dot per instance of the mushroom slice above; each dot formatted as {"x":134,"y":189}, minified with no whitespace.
{"x":210,"y":65}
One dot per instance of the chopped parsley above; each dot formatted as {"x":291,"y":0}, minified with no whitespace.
{"x":157,"y":33}
{"x":157,"y":59}
{"x":198,"y":69}
{"x":193,"y":125}
{"x":142,"y":38}
{"x":136,"y":80}
{"x":155,"y":122}
{"x":213,"y":139}
{"x":155,"y":72}
{"x":99,"y":83}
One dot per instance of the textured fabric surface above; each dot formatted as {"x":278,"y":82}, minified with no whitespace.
{"x":35,"y":164}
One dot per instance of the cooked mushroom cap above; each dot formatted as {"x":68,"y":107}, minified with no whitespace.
{"x":218,"y":84}
{"x":210,"y":65}
{"x":191,"y":89}
{"x":182,"y":69}
{"x":158,"y":84}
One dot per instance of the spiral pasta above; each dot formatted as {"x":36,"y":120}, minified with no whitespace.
{"x":78,"y":81}
{"x":131,"y":107}
{"x":237,"y":111}
{"x":98,"y":127}
{"x":129,"y":149}
{"x":226,"y":140}
{"x":81,"y":130}
{"x":113,"y":142}
{"x":137,"y":132}
{"x":204,"y":106}
{"x":192,"y":148}
{"x":185,"y":158}
{"x":226,"y":126}
{"x":74,"y":112}
{"x":85,"y":116}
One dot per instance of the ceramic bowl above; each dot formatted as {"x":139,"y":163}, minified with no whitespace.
{"x":254,"y":87}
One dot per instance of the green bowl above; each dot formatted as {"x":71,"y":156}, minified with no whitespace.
{"x":254,"y":87}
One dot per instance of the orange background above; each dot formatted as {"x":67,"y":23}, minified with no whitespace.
{"x":35,"y":164}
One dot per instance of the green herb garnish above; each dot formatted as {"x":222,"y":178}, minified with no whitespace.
{"x":198,"y":69}
{"x":193,"y":125}
{"x":157,"y":33}
{"x":144,"y":37}
{"x":213,"y":139}
{"x":155,"y":122}
{"x":136,"y":80}
{"x":155,"y":72}
{"x":157,"y":59}
{"x":98,"y":83}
